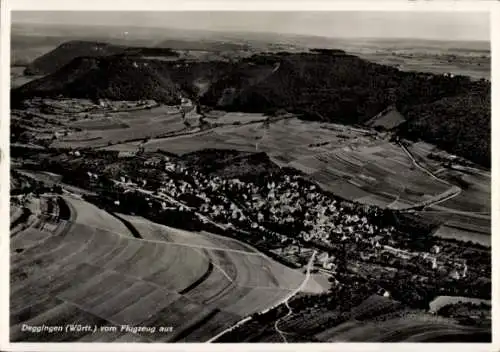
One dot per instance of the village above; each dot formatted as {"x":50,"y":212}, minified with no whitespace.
{"x":292,"y":214}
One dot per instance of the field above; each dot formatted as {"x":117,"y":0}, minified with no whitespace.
{"x":17,"y":78}
{"x":233,"y":117}
{"x":114,"y":127}
{"x":356,"y":164}
{"x":476,"y":65}
{"x":414,"y":327}
{"x":461,"y":234}
{"x":89,"y":269}
{"x":442,"y":301}
{"x":351,"y":163}
{"x":376,"y":319}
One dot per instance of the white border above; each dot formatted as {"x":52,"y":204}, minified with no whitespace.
{"x":236,"y":5}
{"x":254,"y":5}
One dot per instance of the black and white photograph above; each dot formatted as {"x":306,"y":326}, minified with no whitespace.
{"x":250,"y":177}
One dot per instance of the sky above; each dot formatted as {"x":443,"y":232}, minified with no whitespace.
{"x":411,"y":24}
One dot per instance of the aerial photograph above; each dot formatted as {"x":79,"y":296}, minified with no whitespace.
{"x":250,"y":177}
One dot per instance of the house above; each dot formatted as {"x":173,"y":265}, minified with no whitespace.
{"x":329,"y":266}
{"x":435,"y":249}
{"x":58,"y":134}
{"x":126,"y":154}
{"x":323,"y":257}
{"x":455,"y":275}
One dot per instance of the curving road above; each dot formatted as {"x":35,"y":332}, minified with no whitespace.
{"x":285,"y":301}
{"x":293,"y":293}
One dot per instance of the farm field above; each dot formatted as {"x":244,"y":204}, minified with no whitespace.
{"x":233,"y":117}
{"x":475,"y":196}
{"x":410,"y":328}
{"x":122,"y":126}
{"x":452,"y":232}
{"x":351,"y":163}
{"x":474,"y":67}
{"x":92,"y":271}
{"x":379,"y":174}
{"x":233,"y":257}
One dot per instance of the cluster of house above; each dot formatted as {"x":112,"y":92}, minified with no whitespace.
{"x":289,"y":201}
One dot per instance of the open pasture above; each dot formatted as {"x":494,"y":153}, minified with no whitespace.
{"x":199,"y":283}
{"x":475,"y":196}
{"x":461,"y":225}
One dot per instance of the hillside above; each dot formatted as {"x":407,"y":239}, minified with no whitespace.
{"x":321,"y":85}
{"x":68,"y":51}
{"x":459,"y":124}
{"x":336,"y":87}
{"x":113,"y":77}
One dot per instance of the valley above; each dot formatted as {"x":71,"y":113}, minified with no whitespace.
{"x":223,"y":190}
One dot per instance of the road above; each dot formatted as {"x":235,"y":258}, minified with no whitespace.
{"x":449,"y":194}
{"x":285,"y":301}
{"x":293,"y":293}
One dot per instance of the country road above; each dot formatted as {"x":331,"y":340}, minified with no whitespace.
{"x":308,"y":274}
{"x":416,"y":163}
{"x":449,"y":194}
{"x":285,"y":301}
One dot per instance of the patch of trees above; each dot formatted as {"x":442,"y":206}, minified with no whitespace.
{"x":64,"y":210}
{"x":468,"y":313}
{"x":459,"y":124}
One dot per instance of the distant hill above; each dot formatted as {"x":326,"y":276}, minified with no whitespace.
{"x":111,"y":77}
{"x":202,"y":45}
{"x":66,"y":52}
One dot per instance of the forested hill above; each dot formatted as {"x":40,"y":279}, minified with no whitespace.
{"x":110,"y":77}
{"x":326,"y":85}
{"x":68,"y":51}
{"x":451,"y":112}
